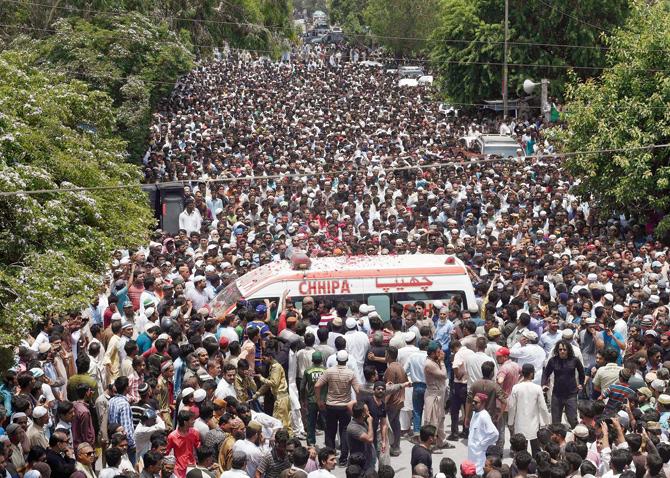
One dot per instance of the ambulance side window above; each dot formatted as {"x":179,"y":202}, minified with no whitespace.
{"x":382,"y":304}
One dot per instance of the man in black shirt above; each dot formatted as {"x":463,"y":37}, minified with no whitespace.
{"x":60,"y":457}
{"x":360,"y":435}
{"x":377,"y":410}
{"x":421,"y":452}
{"x":563,"y":365}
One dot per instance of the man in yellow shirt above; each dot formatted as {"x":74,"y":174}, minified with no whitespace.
{"x":112,"y":360}
{"x":277,"y":384}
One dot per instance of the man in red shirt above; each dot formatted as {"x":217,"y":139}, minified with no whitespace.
{"x":135,"y":291}
{"x":183,"y":441}
{"x":111,"y":309}
{"x":82,"y":423}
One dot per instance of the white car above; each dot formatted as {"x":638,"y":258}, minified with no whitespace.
{"x":410,"y":82}
{"x":426,"y":80}
{"x":447,"y":110}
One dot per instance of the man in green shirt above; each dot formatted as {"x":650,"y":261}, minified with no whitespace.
{"x":82,"y":376}
{"x":309,"y":379}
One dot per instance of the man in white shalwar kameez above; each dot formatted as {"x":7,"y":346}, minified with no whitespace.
{"x":483,"y":432}
{"x":527,"y":410}
{"x":296,"y":417}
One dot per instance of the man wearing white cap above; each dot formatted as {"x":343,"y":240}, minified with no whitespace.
{"x":620,"y":325}
{"x":199,"y":298}
{"x":527,"y":351}
{"x":36,"y":433}
{"x":340,"y":381}
{"x":569,"y":335}
{"x":409,"y":349}
{"x":148,"y":298}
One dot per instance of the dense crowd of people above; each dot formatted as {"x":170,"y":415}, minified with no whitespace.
{"x":568,"y":356}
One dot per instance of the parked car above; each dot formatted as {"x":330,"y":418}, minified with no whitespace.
{"x":410,"y":72}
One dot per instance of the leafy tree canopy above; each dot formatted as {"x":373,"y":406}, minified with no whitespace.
{"x":207,"y":23}
{"x":402,"y":25}
{"x":56,"y":133}
{"x":78,"y":82}
{"x":350,"y":15}
{"x":127,"y":56}
{"x":466,"y":48}
{"x":626,"y":108}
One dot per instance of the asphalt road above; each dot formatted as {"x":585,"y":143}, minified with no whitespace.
{"x":401,"y":463}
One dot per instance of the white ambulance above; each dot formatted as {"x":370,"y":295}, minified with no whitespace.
{"x":377,"y":280}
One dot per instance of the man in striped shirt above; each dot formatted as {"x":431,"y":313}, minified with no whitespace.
{"x":339,"y":379}
{"x":618,"y":393}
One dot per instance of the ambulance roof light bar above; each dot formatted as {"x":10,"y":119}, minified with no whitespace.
{"x":300,"y":261}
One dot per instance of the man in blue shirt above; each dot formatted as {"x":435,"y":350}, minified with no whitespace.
{"x":443,"y":330}
{"x":612,"y":339}
{"x":414,"y":368}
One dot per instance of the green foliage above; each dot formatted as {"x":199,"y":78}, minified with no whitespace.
{"x":627,"y":107}
{"x":350,"y":15}
{"x":208,"y":23}
{"x":403,"y":25}
{"x":127,"y":56}
{"x":53,"y":247}
{"x":134,"y":50}
{"x":463,"y":66}
{"x":310,"y":6}
{"x":77,"y":87}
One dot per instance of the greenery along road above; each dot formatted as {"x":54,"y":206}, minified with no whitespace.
{"x":78,"y":82}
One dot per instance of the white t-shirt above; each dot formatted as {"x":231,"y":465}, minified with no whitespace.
{"x":320,"y":474}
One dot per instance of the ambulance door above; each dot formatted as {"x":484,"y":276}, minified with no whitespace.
{"x":382,"y":303}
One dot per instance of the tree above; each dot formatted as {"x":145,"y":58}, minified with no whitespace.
{"x":54,"y":247}
{"x":626,"y":108}
{"x":402,"y":25}
{"x":310,"y":6}
{"x":258,"y":24}
{"x":129,"y":57}
{"x":466,"y":48}
{"x":349,"y":14}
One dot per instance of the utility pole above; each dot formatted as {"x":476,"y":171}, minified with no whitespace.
{"x":505,"y":56}
{"x":544,"y":100}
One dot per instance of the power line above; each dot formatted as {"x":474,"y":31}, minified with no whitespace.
{"x":391,"y":59}
{"x":279,"y":27}
{"x":416,"y":60}
{"x":89,"y":75}
{"x":554,"y":7}
{"x":395,"y":59}
{"x":483,"y":160}
{"x":167,"y":17}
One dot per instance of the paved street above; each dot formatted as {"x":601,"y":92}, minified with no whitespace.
{"x":401,"y":463}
